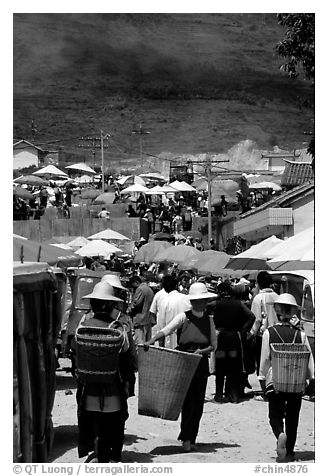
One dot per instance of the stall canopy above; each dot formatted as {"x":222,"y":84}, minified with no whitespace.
{"x":131,"y":180}
{"x":108,"y":234}
{"x":255,"y":258}
{"x":106,"y":198}
{"x":33,"y":180}
{"x":22,"y":193}
{"x":148,"y":252}
{"x":182,"y":186}
{"x":265,"y":186}
{"x":211,"y":262}
{"x":84,"y":179}
{"x":136,"y":188}
{"x":90,"y":193}
{"x":295,"y":253}
{"x":157,"y":190}
{"x":78,"y":242}
{"x":33,"y":251}
{"x":98,"y":248}
{"x":177,"y":254}
{"x":51,"y":170}
{"x":81,"y":167}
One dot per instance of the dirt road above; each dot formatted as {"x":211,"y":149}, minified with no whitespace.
{"x":229,"y":433}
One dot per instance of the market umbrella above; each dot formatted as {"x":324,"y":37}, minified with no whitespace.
{"x":193,"y":233}
{"x":265,"y":186}
{"x":152,"y":175}
{"x":212,"y":262}
{"x":84,"y":179}
{"x":157,"y":190}
{"x":295,"y":253}
{"x":78,"y":242}
{"x":255,"y":258}
{"x":161,"y":236}
{"x":182,"y":186}
{"x":98,"y":248}
{"x":28,"y":250}
{"x":108,"y":234}
{"x":177,"y":254}
{"x":90,"y":193}
{"x":63,"y":246}
{"x":82,"y":167}
{"x":31,"y":180}
{"x":107,"y":198}
{"x":22,"y":193}
{"x":51,"y":171}
{"x":131,"y":180}
{"x":200,"y":184}
{"x":136,"y":188}
{"x":148,"y":252}
{"x":168,"y":189}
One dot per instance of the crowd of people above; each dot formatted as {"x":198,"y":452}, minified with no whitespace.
{"x":229,"y":322}
{"x":172,"y":212}
{"x":33,"y":208}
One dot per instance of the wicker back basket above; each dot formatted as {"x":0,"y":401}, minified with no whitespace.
{"x":289,"y":367}
{"x":164,"y":379}
{"x":97,"y":353}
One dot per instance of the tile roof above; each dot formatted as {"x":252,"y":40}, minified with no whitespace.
{"x":296,"y":173}
{"x":284,"y":199}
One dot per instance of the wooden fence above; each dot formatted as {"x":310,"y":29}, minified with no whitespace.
{"x":81,"y":223}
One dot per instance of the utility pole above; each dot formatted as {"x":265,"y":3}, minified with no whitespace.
{"x":102,"y":137}
{"x":95,"y":142}
{"x":140,"y":132}
{"x":208,"y":164}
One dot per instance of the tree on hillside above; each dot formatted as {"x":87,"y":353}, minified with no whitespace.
{"x":298,"y":48}
{"x":298,"y":44}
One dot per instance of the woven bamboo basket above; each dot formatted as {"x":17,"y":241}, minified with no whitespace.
{"x":97,"y":353}
{"x":289,"y":367}
{"x":164,"y":379}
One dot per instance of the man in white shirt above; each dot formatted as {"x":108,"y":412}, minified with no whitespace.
{"x":263,"y":309}
{"x":104,"y":213}
{"x":155,"y":309}
{"x":175,"y":303}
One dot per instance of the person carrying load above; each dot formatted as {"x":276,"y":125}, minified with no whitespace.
{"x":286,"y":364}
{"x":105,"y":372}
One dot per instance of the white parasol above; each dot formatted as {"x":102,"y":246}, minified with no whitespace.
{"x":51,"y":170}
{"x":108,"y":234}
{"x":136,"y":188}
{"x":82,"y":167}
{"x":98,"y":248}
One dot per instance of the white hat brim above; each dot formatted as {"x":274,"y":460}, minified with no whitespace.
{"x":102,"y":298}
{"x":194,"y":297}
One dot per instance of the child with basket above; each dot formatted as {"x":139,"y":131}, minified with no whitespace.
{"x":286,"y":363}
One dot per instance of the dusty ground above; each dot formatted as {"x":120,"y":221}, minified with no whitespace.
{"x":229,"y":433}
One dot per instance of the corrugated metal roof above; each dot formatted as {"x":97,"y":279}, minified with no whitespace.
{"x":296,"y":173}
{"x":284,"y":199}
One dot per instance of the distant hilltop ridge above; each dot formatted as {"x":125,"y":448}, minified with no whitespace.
{"x":197,"y":82}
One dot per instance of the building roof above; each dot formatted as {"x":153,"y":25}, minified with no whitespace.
{"x":285,"y":199}
{"x":296,"y":173}
{"x":21,"y":143}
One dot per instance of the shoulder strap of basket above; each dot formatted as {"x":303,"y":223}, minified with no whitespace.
{"x":274,"y":329}
{"x":121,"y":325}
{"x":294,"y":339}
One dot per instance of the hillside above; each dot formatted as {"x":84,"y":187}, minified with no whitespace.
{"x":198,"y":82}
